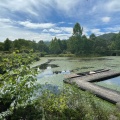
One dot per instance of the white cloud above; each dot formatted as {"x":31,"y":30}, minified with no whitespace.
{"x":70,"y":23}
{"x":113,"y":5}
{"x":38,"y":9}
{"x":97,"y":31}
{"x":18,"y":5}
{"x":113,"y":29}
{"x":63,"y":36}
{"x":31,"y":25}
{"x":105,"y":6}
{"x":105,"y":19}
{"x":15,"y":14}
{"x":15,"y":33}
{"x":9,"y":30}
{"x":5,"y":20}
{"x":62,"y":22}
{"x":12,"y":32}
{"x":67,"y":29}
{"x":85,"y":30}
{"x":6,"y":23}
{"x":67,"y":5}
{"x":45,"y":30}
{"x":55,"y":30}
{"x":41,"y":8}
{"x":33,"y":12}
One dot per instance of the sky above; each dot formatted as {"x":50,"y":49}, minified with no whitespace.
{"x":45,"y":19}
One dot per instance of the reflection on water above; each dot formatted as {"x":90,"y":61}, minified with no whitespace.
{"x":113,"y":83}
{"x":48,"y":72}
{"x":115,"y":80}
{"x":45,"y":73}
{"x":51,"y":80}
{"x":53,"y":72}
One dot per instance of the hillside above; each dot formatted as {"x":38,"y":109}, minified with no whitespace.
{"x":107,"y":36}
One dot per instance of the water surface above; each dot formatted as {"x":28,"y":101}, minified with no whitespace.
{"x":113,"y":83}
{"x":57,"y":67}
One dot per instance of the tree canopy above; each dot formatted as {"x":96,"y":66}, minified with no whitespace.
{"x":77,"y":43}
{"x":77,"y":30}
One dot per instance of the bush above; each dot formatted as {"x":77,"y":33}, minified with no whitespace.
{"x":29,"y":112}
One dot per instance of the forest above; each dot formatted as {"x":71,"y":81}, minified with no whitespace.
{"x":78,"y":44}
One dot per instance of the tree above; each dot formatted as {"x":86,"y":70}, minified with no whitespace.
{"x":16,"y":44}
{"x":92,"y":37}
{"x":1,"y":46}
{"x":55,"y":46}
{"x":75,"y":44}
{"x":77,"y":30}
{"x":34,"y":45}
{"x":63,"y":45}
{"x":7,"y":44}
{"x":100,"y":46}
{"x":42,"y":47}
{"x":86,"y":45}
{"x":117,"y":41}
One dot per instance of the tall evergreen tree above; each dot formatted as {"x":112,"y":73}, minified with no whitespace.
{"x":77,"y":30}
{"x":55,"y":46}
{"x":7,"y":44}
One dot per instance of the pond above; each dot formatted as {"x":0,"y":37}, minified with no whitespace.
{"x":54,"y":71}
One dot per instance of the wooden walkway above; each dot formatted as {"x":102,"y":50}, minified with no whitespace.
{"x":85,"y":83}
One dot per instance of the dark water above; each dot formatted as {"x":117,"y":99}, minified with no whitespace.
{"x":44,"y":66}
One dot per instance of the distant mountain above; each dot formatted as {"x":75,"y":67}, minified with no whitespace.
{"x":47,"y":43}
{"x":107,"y":36}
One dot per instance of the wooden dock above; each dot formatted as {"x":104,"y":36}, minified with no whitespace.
{"x":86,"y":83}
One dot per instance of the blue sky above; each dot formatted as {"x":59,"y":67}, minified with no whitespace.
{"x":45,"y":19}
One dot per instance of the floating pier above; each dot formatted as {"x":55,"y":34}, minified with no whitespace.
{"x":85,"y":82}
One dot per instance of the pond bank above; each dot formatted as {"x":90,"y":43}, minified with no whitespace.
{"x":41,"y":61}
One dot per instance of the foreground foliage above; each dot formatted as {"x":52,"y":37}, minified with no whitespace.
{"x":19,"y":98}
{"x":17,"y":82}
{"x":70,"y":104}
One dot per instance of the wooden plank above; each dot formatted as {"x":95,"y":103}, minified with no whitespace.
{"x":71,"y":76}
{"x":98,"y":76}
{"x":85,"y":83}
